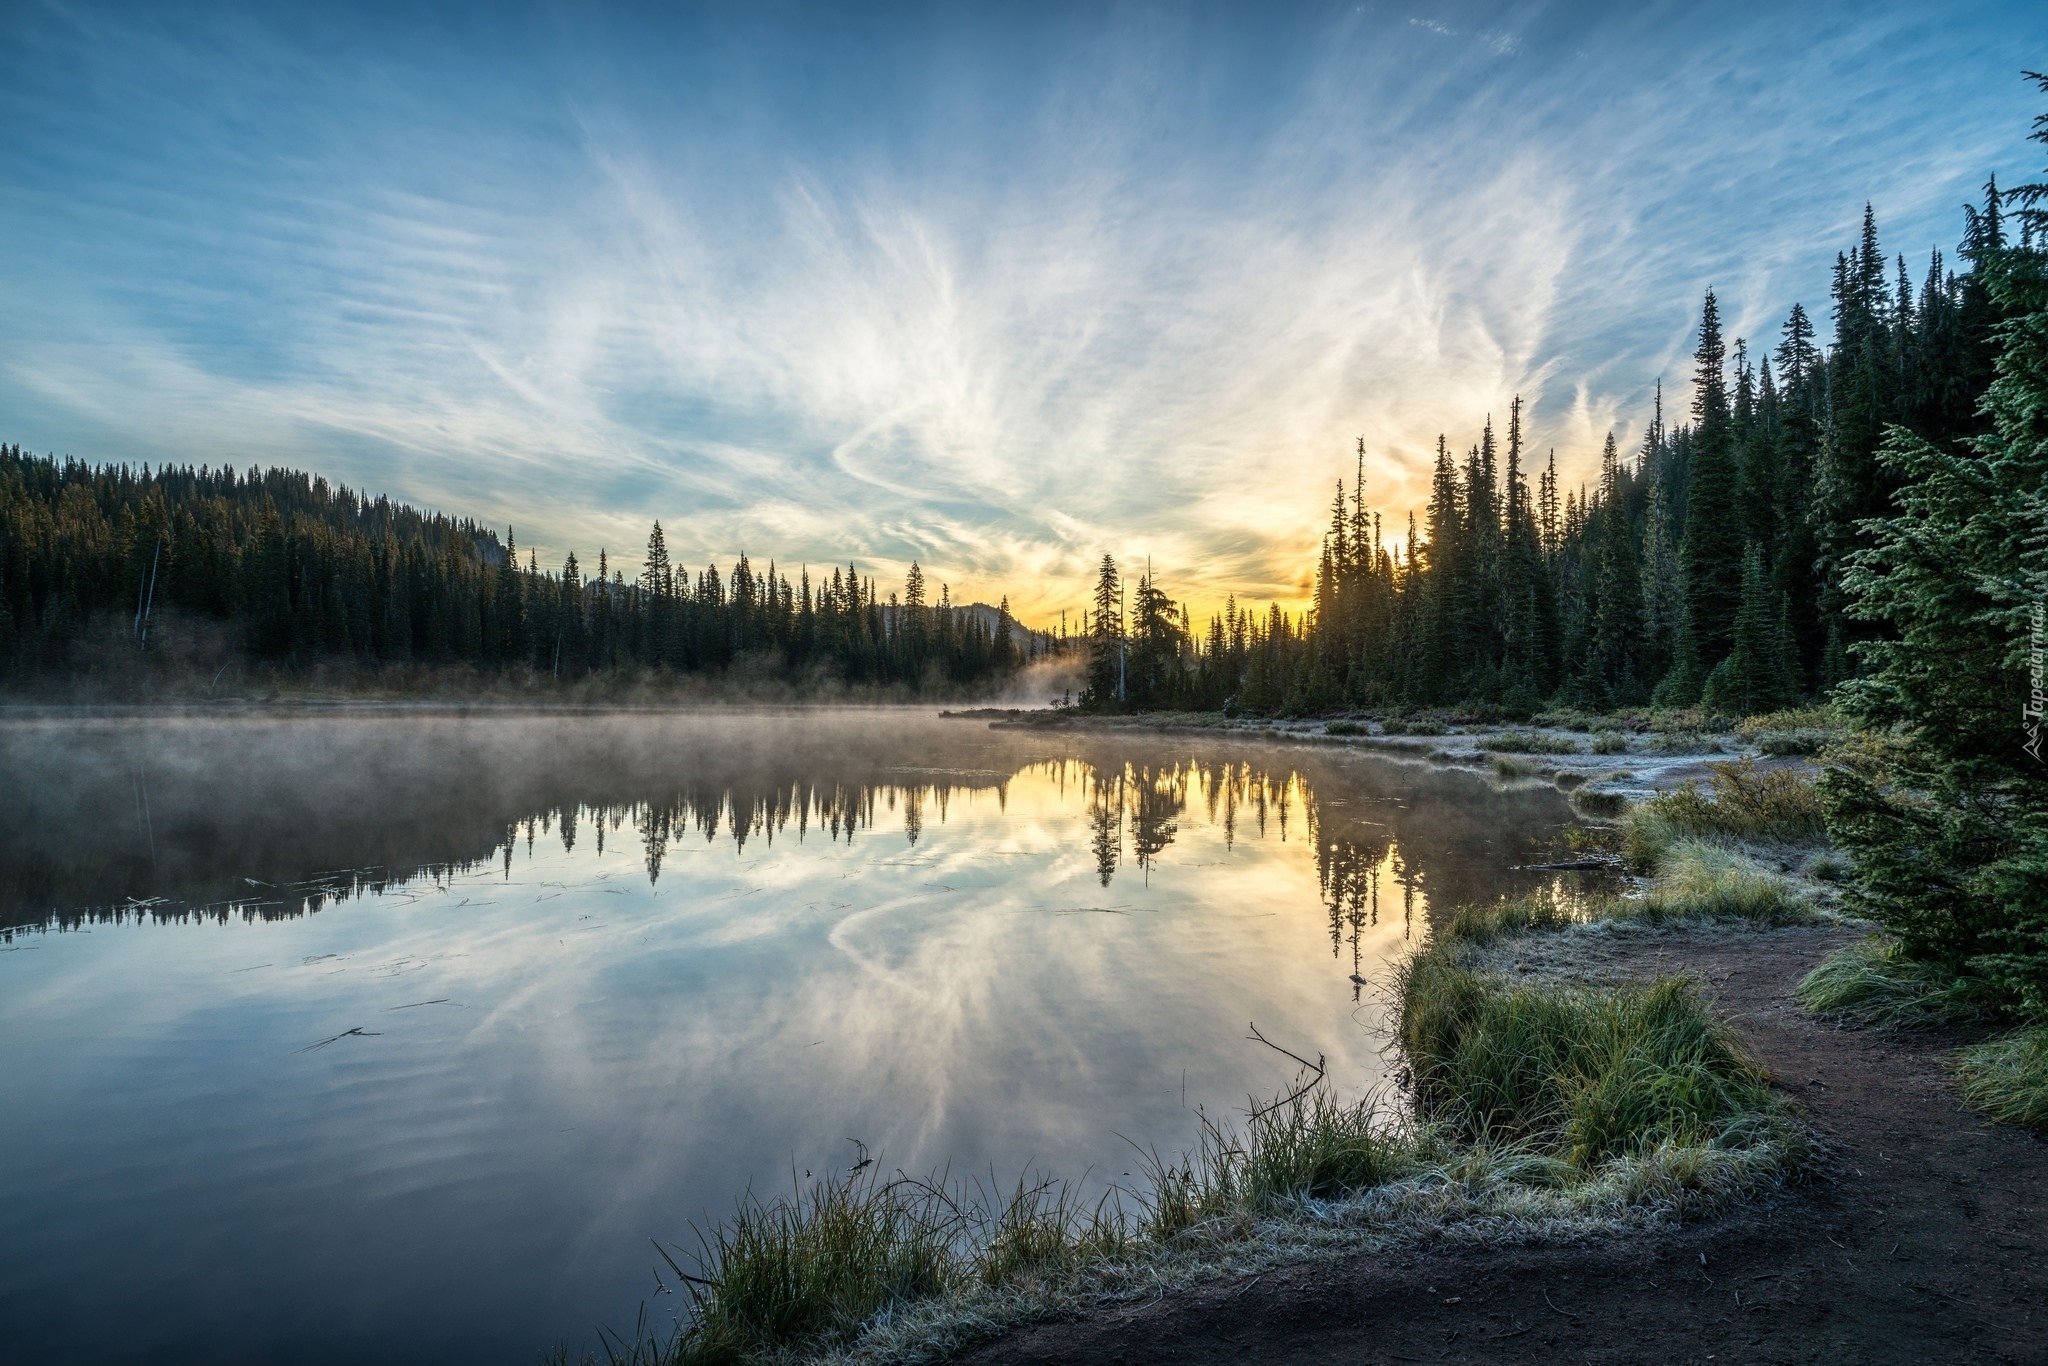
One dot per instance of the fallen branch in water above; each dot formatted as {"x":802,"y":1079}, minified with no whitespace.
{"x":1316,"y":1067}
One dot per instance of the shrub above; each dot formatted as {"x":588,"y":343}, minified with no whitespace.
{"x":1347,"y":728}
{"x":1414,"y":727}
{"x":1504,"y":767}
{"x":1610,"y":742}
{"x":1821,"y":720}
{"x":1744,"y":801}
{"x":1528,"y":742}
{"x":2007,"y":1078}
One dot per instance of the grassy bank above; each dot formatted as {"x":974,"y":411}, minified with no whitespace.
{"x":1536,"y":1112}
{"x":1533,"y":1111}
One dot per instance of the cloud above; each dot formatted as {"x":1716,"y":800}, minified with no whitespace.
{"x":1118,"y":294}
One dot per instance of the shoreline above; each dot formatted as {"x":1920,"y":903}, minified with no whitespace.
{"x":1430,"y":1186}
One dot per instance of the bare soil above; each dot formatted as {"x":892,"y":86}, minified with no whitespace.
{"x":1922,"y":1238}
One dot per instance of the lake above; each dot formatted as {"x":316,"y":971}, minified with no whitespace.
{"x":397,"y":1035}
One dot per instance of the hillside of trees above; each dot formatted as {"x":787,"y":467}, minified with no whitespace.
{"x":1707,"y":565}
{"x":288,"y":574}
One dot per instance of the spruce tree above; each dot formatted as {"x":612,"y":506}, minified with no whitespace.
{"x":1950,"y":839}
{"x":1751,"y":679}
{"x":1712,"y":551}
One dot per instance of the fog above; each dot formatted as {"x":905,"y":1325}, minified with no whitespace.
{"x":397,"y":1032}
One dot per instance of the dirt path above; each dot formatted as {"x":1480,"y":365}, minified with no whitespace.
{"x":1924,"y":1241}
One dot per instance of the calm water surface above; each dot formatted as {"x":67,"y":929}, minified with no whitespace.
{"x":398,"y":1037}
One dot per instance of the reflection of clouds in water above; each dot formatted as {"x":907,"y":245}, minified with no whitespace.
{"x":618,"y":1052}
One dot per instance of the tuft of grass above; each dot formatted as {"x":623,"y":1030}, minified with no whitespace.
{"x":1504,"y":767}
{"x":1307,"y":1147}
{"x":1681,"y":742}
{"x":2007,"y":1078}
{"x":1531,"y":912}
{"x":1697,"y":880}
{"x":1578,"y":1074}
{"x":1610,"y":742}
{"x":1529,"y":742}
{"x":1873,"y":985}
{"x":1347,"y":728}
{"x":811,"y":1267}
{"x":1599,"y":805}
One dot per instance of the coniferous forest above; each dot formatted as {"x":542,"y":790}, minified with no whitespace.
{"x":289,"y":572}
{"x":1712,"y":563}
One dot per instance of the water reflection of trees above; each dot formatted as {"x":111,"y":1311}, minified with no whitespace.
{"x":165,"y":823}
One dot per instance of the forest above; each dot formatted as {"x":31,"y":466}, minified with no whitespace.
{"x":285,"y":572}
{"x":1711,"y":564}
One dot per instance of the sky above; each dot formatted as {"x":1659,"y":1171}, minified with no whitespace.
{"x":998,"y":288}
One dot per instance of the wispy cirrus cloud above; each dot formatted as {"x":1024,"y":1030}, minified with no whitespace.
{"x":1001,"y":299}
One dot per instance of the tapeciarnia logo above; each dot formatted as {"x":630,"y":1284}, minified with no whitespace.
{"x":2030,"y":714}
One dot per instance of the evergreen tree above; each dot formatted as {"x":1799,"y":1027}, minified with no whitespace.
{"x":1711,"y":553}
{"x":1951,"y":843}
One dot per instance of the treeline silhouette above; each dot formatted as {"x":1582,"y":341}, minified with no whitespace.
{"x":293,"y":572}
{"x":1707,"y":566}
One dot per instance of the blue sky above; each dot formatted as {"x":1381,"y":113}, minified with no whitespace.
{"x":996,"y":287}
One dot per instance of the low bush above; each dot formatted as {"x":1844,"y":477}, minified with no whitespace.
{"x":1504,"y":767}
{"x":1814,"y":720}
{"x":1529,"y":742}
{"x":1681,"y":742}
{"x":1414,"y":727}
{"x":1741,"y":801}
{"x":1610,"y":742}
{"x":2007,"y":1078}
{"x":1347,"y":728}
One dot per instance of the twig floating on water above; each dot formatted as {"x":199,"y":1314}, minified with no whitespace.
{"x":358,"y":1032}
